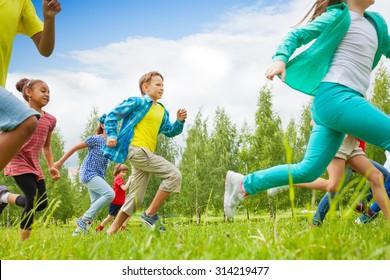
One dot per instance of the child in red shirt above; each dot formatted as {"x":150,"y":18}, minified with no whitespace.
{"x":120,"y":194}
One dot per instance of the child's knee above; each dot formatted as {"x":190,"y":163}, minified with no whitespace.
{"x":42,"y":205}
{"x":110,"y":195}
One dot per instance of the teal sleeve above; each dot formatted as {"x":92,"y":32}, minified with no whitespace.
{"x":171,"y":130}
{"x":303,"y":35}
{"x":119,"y":113}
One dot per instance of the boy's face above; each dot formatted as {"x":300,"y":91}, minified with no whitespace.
{"x":155,"y":88}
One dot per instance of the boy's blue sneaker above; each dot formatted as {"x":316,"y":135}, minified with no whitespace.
{"x":3,"y":190}
{"x":152,"y":222}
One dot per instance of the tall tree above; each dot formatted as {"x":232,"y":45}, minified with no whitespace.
{"x":380,"y":99}
{"x":195,"y":167}
{"x":223,"y":156}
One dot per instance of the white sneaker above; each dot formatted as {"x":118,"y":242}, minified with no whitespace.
{"x":274,"y":191}
{"x":233,"y":193}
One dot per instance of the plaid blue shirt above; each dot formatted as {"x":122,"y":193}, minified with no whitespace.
{"x":94,"y":164}
{"x":132,"y":111}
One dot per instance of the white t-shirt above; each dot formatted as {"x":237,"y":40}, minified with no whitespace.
{"x":353,"y":59}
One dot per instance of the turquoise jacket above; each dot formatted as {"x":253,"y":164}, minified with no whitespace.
{"x":131,"y":111}
{"x":305,"y":71}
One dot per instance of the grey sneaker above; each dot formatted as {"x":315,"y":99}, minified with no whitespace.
{"x":82,"y":225}
{"x":152,"y":222}
{"x":233,"y":193}
{"x":3,"y":190}
{"x":274,"y":191}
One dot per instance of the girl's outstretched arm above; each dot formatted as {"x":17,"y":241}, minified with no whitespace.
{"x":58,"y":164}
{"x":48,"y":154}
{"x":277,"y":68}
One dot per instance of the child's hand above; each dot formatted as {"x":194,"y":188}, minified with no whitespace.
{"x":276,"y":68}
{"x":111,"y":142}
{"x":57,"y":165}
{"x":50,"y":8}
{"x":181,"y":114}
{"x":55,"y":174}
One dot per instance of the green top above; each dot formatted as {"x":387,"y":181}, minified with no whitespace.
{"x":305,"y":71}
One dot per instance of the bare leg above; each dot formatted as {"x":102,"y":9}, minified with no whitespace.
{"x":12,"y":198}
{"x":116,"y":224}
{"x":106,"y":220}
{"x":126,"y":222}
{"x":11,"y":141}
{"x":158,"y":200}
{"x":335,"y":170}
{"x":363,"y":165}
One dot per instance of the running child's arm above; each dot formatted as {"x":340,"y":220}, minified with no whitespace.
{"x":48,"y":154}
{"x":120,"y":112}
{"x":45,"y":40}
{"x":294,"y":40}
{"x":172,"y":130}
{"x":128,"y":183}
{"x":62,"y":160}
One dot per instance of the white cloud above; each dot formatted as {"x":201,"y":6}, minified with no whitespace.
{"x":223,"y":66}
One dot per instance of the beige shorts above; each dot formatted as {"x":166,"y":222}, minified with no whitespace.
{"x":350,"y":148}
{"x":144,"y":164}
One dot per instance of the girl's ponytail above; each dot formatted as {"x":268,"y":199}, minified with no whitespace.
{"x":318,"y":9}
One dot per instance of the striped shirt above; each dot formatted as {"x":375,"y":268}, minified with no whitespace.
{"x":132,"y":111}
{"x":94,"y":164}
{"x":27,"y":160}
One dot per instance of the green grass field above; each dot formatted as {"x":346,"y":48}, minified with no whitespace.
{"x":214,"y":239}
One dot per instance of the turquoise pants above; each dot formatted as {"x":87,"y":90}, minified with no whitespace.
{"x":336,"y":110}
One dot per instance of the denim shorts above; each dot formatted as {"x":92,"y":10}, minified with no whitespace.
{"x":13,"y":111}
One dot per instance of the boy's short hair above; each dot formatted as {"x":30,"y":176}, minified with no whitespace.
{"x":146,"y":78}
{"x":120,"y":167}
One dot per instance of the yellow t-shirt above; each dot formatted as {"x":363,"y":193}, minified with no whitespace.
{"x":146,"y":131}
{"x":16,"y":16}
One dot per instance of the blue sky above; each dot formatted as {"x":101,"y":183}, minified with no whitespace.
{"x":93,"y":23}
{"x":212,"y":54}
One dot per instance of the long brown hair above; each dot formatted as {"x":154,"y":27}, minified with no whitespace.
{"x":319,"y":8}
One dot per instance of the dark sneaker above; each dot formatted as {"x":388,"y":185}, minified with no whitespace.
{"x":359,"y":207}
{"x":152,"y":222}
{"x":3,"y":190}
{"x":233,"y":193}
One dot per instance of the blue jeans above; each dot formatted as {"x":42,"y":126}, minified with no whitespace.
{"x":324,"y":205}
{"x":336,"y":110}
{"x":101,"y":194}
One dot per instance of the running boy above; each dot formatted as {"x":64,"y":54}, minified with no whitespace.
{"x":143,"y":119}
